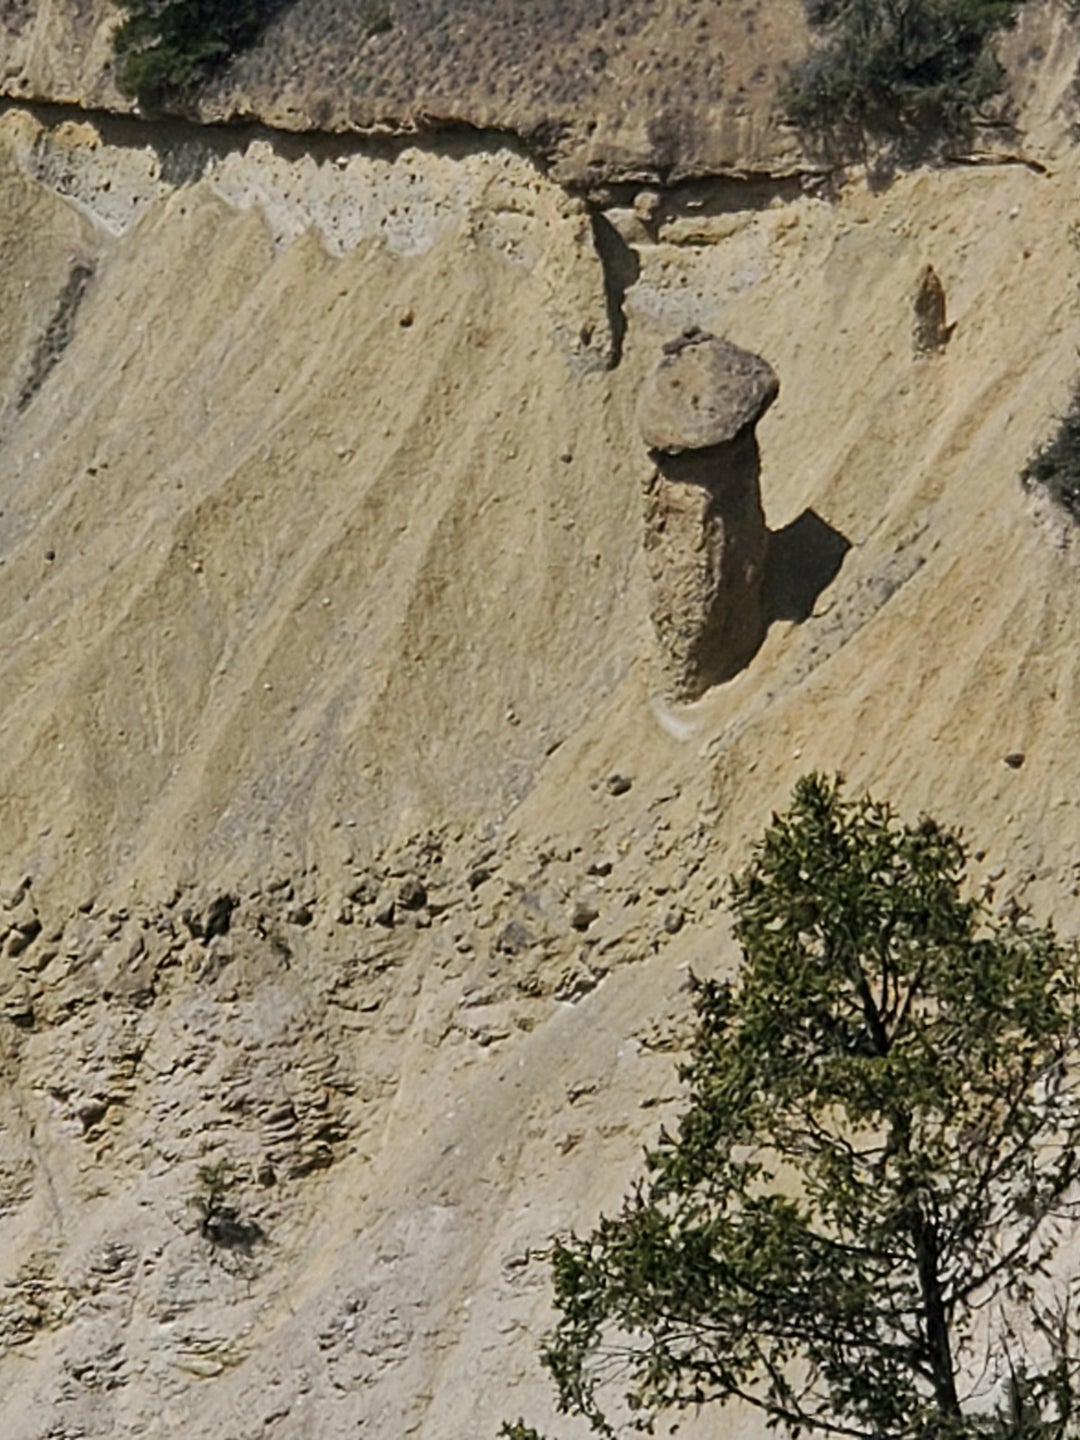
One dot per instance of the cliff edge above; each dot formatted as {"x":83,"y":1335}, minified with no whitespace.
{"x":604,"y":91}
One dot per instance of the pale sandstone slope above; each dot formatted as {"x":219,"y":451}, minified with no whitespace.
{"x":305,"y":474}
{"x":250,"y":421}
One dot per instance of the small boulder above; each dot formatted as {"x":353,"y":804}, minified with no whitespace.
{"x":582,"y":914}
{"x":674,"y":921}
{"x":22,"y":936}
{"x":704,"y":392}
{"x":412,"y":894}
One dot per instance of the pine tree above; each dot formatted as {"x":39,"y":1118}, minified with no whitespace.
{"x":853,"y":1226}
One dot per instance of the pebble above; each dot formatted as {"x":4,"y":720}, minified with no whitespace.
{"x":363,"y":894}
{"x":411,"y":894}
{"x":198,"y":1365}
{"x":513,"y":938}
{"x":582,"y":914}
{"x":384,"y":915}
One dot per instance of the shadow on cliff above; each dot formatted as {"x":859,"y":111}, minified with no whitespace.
{"x":801,"y":561}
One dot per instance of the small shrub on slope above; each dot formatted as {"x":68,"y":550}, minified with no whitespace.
{"x":1057,"y":464}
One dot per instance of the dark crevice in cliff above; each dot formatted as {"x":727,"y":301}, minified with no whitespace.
{"x":621,"y":266}
{"x":181,"y":140}
{"x":984,"y":161}
{"x":711,"y":194}
{"x":58,"y":334}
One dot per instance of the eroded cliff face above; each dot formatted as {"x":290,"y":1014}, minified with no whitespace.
{"x":603,"y":92}
{"x":601,"y":95}
{"x":350,"y":841}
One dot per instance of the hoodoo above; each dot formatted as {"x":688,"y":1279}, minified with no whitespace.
{"x":705,"y":532}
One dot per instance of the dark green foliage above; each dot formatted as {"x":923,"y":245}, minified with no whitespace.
{"x":377,"y":15}
{"x":852,"y":1226}
{"x":165,"y":49}
{"x":1057,"y":464}
{"x":887,"y":64}
{"x":221,"y":1223}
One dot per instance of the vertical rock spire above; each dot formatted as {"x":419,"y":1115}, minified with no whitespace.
{"x":705,"y":532}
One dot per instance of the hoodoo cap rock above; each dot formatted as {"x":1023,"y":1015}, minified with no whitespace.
{"x":704,"y":392}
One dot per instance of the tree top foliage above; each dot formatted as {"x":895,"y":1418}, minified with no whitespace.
{"x":851,"y":1228}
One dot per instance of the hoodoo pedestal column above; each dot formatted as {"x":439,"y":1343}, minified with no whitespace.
{"x":705,"y":532}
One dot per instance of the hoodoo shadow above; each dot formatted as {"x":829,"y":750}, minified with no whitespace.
{"x":801,"y":561}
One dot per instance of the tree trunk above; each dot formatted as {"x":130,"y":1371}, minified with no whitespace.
{"x":935,"y":1320}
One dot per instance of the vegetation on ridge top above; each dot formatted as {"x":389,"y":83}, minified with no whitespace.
{"x":879,"y":63}
{"x":854,"y":1225}
{"x":166,"y":49}
{"x":887,"y":63}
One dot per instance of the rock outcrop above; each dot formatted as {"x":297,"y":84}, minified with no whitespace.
{"x":605,"y":93}
{"x":705,"y":532}
{"x":930,"y":330}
